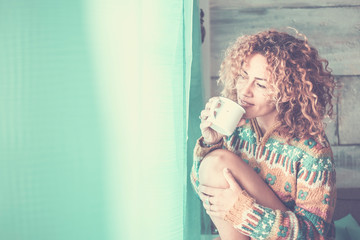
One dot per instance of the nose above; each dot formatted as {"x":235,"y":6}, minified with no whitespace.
{"x":246,"y":89}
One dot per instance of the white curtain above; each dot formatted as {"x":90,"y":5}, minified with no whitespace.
{"x":139,"y":57}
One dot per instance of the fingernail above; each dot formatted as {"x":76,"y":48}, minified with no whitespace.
{"x":226,"y":170}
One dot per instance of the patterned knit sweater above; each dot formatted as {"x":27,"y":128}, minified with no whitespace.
{"x":301,"y":173}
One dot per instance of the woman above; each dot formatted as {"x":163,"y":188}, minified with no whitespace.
{"x":274,"y":177}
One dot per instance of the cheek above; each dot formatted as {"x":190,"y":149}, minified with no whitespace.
{"x":270,"y":104}
{"x":269,"y":100}
{"x":266,"y":107}
{"x":264,"y":100}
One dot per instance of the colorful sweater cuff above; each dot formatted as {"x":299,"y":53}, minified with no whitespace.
{"x":200,"y":150}
{"x":238,"y":213}
{"x":250,"y":218}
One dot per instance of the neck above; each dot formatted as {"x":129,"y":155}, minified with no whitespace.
{"x":266,"y":123}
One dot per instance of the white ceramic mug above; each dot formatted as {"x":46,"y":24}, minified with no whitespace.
{"x":225,"y":115}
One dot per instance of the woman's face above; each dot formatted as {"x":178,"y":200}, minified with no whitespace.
{"x":252,"y":90}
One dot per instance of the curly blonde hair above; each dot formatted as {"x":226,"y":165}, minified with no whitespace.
{"x":301,"y":84}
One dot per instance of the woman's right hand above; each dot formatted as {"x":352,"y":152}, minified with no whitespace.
{"x":210,"y":135}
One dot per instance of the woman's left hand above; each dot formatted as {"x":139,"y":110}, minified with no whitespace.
{"x":218,"y":201}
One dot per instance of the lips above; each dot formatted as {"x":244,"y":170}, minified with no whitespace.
{"x":245,"y":103}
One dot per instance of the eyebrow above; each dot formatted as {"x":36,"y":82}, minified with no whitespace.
{"x":257,"y":78}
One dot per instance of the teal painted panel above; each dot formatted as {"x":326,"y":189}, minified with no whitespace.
{"x":51,"y":169}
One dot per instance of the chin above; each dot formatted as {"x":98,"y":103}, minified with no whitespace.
{"x":248,"y":116}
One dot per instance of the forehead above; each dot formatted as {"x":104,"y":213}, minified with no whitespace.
{"x":256,"y":64}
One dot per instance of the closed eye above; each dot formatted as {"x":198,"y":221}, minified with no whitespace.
{"x":260,"y":85}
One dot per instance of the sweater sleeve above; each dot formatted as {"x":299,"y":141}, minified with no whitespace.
{"x":200,"y":152}
{"x":311,"y":217}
